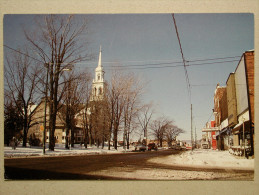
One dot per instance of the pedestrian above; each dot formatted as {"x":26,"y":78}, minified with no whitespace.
{"x":13,"y":143}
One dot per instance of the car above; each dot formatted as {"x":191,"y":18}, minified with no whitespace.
{"x":140,"y":148}
{"x":183,"y":148}
{"x":176,"y":147}
{"x":152,"y":146}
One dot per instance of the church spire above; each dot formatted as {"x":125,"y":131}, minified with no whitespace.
{"x":100,"y":57}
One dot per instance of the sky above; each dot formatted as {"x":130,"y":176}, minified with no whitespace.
{"x":141,"y":39}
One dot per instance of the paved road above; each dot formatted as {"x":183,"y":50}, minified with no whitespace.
{"x":95,"y":166}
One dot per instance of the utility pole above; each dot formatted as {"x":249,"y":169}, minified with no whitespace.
{"x":195,"y":138}
{"x":191,"y":129}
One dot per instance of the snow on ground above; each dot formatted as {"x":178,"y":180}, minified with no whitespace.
{"x":197,"y":158}
{"x":59,"y":151}
{"x":167,"y":174}
{"x":207,"y":158}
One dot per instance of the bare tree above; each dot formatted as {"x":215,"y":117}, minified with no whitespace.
{"x":144,"y":118}
{"x":164,"y":129}
{"x":73,"y":100}
{"x":132,"y":105}
{"x":99,"y":122}
{"x":13,"y":121}
{"x":171,"y":132}
{"x":122,"y":94}
{"x":58,"y":43}
{"x":116,"y":101}
{"x":158,"y":127}
{"x":22,"y":77}
{"x":84,"y":116}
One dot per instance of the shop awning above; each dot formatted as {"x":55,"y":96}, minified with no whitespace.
{"x":239,"y":127}
{"x":223,"y":131}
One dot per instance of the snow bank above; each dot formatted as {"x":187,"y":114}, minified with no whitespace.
{"x":60,"y":151}
{"x":207,"y":158}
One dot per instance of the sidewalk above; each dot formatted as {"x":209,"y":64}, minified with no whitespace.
{"x":207,"y":158}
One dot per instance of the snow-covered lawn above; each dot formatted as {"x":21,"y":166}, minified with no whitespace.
{"x":60,"y":151}
{"x":207,"y":158}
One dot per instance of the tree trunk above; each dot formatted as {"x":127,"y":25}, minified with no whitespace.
{"x":103,"y":143}
{"x":128,"y":142}
{"x":90,"y":136}
{"x":86,"y":136}
{"x":109,"y":143}
{"x":98,"y":143}
{"x":67,"y":134}
{"x":72,"y":137}
{"x":25,"y":132}
{"x":115,"y":137}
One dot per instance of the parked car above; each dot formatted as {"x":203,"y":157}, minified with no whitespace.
{"x":183,"y":147}
{"x":140,"y":148}
{"x":177,"y":147}
{"x":152,"y":146}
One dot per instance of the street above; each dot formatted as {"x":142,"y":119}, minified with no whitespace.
{"x":128,"y":166}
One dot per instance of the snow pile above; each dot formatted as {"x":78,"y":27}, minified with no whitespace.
{"x":207,"y":158}
{"x":167,"y":174}
{"x":60,"y":151}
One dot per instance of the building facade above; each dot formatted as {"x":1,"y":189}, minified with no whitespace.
{"x":234,"y":110}
{"x":220,"y":111}
{"x":243,"y":131}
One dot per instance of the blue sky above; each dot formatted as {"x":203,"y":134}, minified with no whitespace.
{"x":151,"y":38}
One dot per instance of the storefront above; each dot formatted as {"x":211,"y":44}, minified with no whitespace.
{"x":241,"y":139}
{"x":225,"y":139}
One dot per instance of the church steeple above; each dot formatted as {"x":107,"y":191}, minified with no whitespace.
{"x":100,"y":57}
{"x":98,"y":82}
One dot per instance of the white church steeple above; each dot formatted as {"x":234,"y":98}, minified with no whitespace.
{"x":98,"y":82}
{"x":100,"y":57}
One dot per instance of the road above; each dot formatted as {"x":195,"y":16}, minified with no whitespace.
{"x":127,"y":166}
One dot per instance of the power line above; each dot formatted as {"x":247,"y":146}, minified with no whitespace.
{"x":170,"y":61}
{"x":181,"y":50}
{"x":172,"y":66}
{"x":213,"y":63}
{"x":209,"y":59}
{"x":22,"y":53}
{"x":143,"y":66}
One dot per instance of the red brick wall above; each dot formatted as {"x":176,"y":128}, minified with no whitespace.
{"x":249,"y":62}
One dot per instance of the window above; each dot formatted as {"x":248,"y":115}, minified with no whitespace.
{"x":95,"y":91}
{"x":100,"y":90}
{"x":99,"y":77}
{"x":63,"y":137}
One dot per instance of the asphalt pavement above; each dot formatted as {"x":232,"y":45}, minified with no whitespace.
{"x":84,"y":167}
